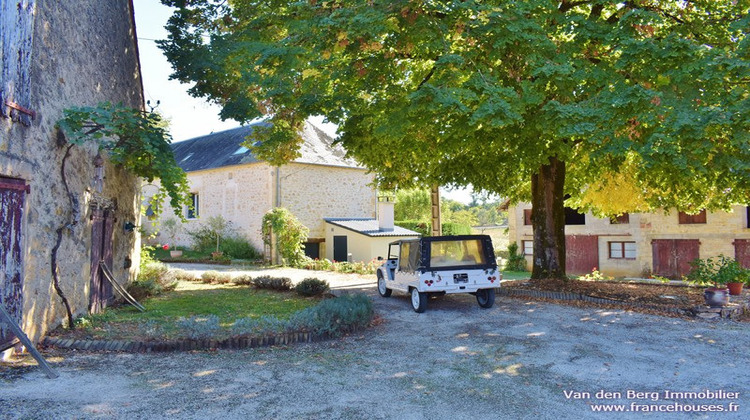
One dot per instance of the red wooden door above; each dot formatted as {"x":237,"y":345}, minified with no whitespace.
{"x":672,"y":257}
{"x":742,"y":252}
{"x":12,"y":194}
{"x":581,"y":253}
{"x":101,"y":250}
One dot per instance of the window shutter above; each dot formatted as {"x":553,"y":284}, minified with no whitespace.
{"x":16,"y":30}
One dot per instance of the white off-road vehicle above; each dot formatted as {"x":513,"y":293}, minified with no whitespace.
{"x":440,"y":265}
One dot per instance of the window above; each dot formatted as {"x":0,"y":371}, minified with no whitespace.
{"x":622,"y":250}
{"x":409,"y":258}
{"x":527,"y":217}
{"x":690,"y":219}
{"x":528,"y":247}
{"x":622,"y":219}
{"x":572,"y":217}
{"x":192,"y":210}
{"x":467,"y":253}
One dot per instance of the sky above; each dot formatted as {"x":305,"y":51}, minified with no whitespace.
{"x":191,"y":117}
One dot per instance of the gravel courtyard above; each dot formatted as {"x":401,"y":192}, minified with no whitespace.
{"x":520,"y":359}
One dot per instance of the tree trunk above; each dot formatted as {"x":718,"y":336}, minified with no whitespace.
{"x":548,"y":220}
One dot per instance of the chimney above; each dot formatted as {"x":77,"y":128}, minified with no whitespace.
{"x":385,"y":213}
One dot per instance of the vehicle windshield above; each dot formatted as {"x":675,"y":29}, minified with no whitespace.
{"x":457,"y":253}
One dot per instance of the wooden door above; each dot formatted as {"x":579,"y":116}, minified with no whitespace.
{"x":340,"y":249}
{"x":742,"y":252}
{"x":12,"y":195}
{"x":581,"y":253}
{"x":672,"y":257}
{"x":101,"y":250}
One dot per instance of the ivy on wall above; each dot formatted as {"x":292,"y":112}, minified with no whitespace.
{"x":290,"y":234}
{"x":135,"y":140}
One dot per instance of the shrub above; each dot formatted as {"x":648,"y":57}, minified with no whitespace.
{"x":425,"y":229}
{"x":273,"y":283}
{"x":223,"y":278}
{"x":210,"y":276}
{"x":516,"y":261}
{"x":451,"y":228}
{"x":311,"y":287}
{"x":243,"y":280}
{"x":199,"y":327}
{"x":183,"y":275}
{"x":334,"y":316}
{"x":153,"y":279}
{"x":238,"y":247}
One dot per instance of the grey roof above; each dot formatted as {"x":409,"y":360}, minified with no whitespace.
{"x":224,"y":149}
{"x":369,"y":227}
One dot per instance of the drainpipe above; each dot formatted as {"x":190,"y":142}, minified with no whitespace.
{"x":274,"y":250}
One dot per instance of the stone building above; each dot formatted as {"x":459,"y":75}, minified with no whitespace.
{"x":641,"y":244}
{"x":57,"y":55}
{"x":227,"y":180}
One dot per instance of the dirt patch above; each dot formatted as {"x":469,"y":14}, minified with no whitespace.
{"x":656,"y":299}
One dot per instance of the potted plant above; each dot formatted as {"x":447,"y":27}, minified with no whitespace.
{"x":735,"y":286}
{"x":717,"y":271}
{"x":171,"y":227}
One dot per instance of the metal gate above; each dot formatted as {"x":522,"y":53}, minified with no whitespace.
{"x":12,"y":194}
{"x":101,"y":249}
{"x":581,"y":253}
{"x":672,"y":257}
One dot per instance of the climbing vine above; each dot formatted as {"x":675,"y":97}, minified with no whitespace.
{"x":290,"y":234}
{"x":135,"y":140}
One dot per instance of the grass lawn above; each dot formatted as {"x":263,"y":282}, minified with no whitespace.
{"x":163,"y":254}
{"x":229,"y":303}
{"x":516,"y":275}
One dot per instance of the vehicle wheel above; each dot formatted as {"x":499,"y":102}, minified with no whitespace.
{"x":384,"y":291}
{"x":418,"y":301}
{"x":486,"y":297}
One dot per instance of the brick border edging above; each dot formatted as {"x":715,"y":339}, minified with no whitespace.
{"x":730,"y":313}
{"x":233,"y":343}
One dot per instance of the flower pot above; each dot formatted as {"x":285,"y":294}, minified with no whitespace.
{"x":716,"y":297}
{"x":217,"y":255}
{"x":175,"y":253}
{"x":735,"y":288}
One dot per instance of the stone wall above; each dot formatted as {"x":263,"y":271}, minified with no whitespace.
{"x":83,"y":53}
{"x":716,"y":235}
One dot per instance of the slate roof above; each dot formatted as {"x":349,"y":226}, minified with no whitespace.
{"x":224,"y":148}
{"x":369,"y":227}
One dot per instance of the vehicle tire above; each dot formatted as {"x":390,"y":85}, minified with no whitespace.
{"x":418,"y":301}
{"x":384,"y":291}
{"x":486,"y":297}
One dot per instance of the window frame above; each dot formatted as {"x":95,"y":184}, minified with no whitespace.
{"x":523,"y":247}
{"x":622,"y":250}
{"x":193,"y":213}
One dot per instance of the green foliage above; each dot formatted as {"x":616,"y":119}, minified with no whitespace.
{"x":450,"y":228}
{"x":272,"y":283}
{"x":135,"y":140}
{"x":199,"y":327}
{"x":217,"y":230}
{"x":412,"y":204}
{"x":215,"y":277}
{"x":311,"y":287}
{"x":183,"y":275}
{"x":238,"y":247}
{"x":171,"y":228}
{"x":289,"y":232}
{"x":516,"y":261}
{"x":490,"y":93}
{"x":717,"y":271}
{"x":594,"y":275}
{"x":154,"y":278}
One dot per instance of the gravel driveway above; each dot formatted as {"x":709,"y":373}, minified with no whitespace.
{"x":519,"y":359}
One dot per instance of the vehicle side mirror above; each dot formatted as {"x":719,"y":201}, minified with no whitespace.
{"x":380,"y":258}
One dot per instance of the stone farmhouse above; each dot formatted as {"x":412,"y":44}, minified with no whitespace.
{"x":57,"y":55}
{"x":641,"y":244}
{"x":322,"y":188}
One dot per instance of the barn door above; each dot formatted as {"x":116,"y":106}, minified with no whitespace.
{"x":672,"y":257}
{"x":581,"y":253}
{"x":742,"y":252}
{"x":12,"y":192}
{"x":101,"y":250}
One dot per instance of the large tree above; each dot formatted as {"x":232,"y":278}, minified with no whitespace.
{"x":535,"y":100}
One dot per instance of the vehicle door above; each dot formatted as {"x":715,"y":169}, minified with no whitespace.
{"x":408,"y":263}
